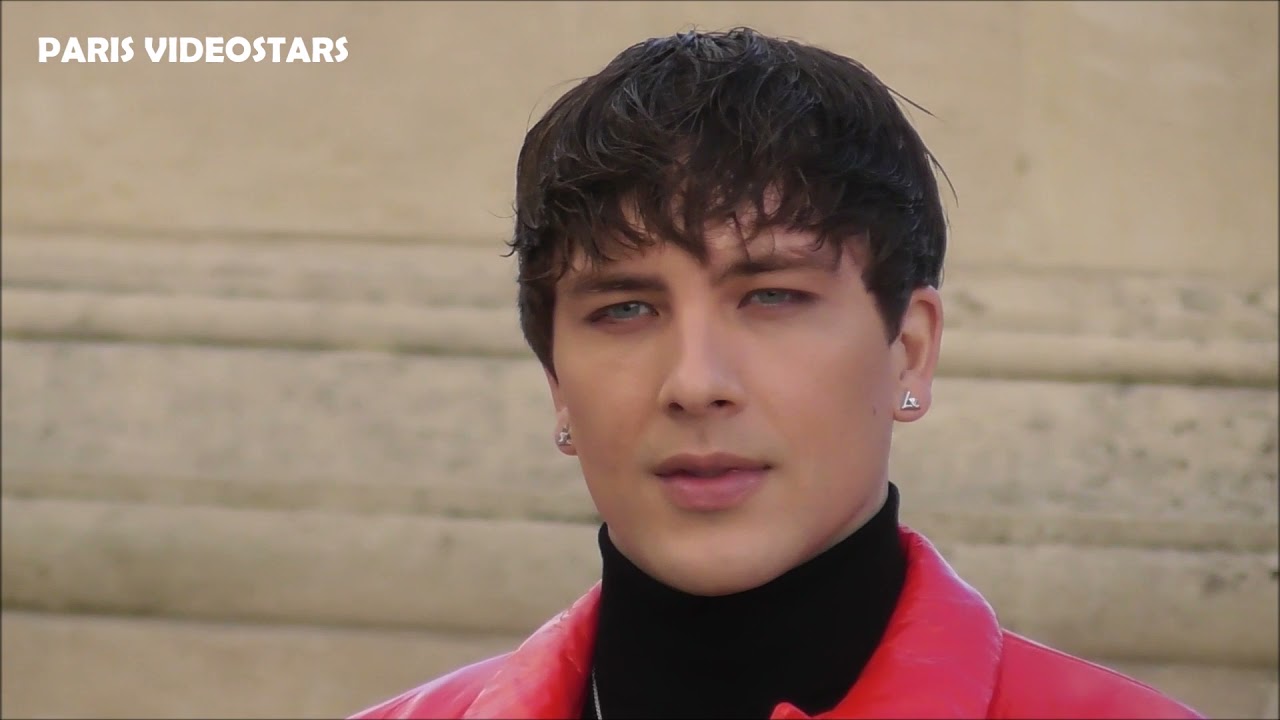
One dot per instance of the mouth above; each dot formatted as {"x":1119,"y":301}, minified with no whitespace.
{"x":710,"y":483}
{"x":708,"y":467}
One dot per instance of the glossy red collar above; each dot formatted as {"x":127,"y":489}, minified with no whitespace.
{"x":939,"y":657}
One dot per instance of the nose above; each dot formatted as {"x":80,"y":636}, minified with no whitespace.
{"x":702,"y":376}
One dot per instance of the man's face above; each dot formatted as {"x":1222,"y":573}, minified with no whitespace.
{"x":733,"y":420}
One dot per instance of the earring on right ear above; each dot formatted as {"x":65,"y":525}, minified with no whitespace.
{"x":909,"y":402}
{"x":564,"y":439}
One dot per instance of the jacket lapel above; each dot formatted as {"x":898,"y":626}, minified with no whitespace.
{"x":939,"y":657}
{"x":547,"y":675}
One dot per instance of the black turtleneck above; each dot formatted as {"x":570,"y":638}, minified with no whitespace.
{"x":802,"y":638}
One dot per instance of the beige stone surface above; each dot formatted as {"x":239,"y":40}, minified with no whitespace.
{"x":1131,"y":603}
{"x":411,"y":430}
{"x":193,"y":669}
{"x":466,"y":331}
{"x":1133,"y":305}
{"x":259,"y":671}
{"x":180,"y":242}
{"x":351,"y":270}
{"x":571,"y":504}
{"x":1121,"y":106}
{"x":510,"y":576}
{"x":398,"y":571}
{"x":323,"y":295}
{"x":1273,"y":702}
{"x":1126,"y":135}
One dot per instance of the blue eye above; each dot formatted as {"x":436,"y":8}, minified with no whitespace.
{"x":624,"y":311}
{"x":772,"y":296}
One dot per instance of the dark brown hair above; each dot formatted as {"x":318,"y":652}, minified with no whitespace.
{"x":703,"y":127}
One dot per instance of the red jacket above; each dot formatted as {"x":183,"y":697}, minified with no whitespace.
{"x":943,"y":655}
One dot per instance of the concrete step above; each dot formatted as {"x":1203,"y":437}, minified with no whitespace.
{"x":511,"y":576}
{"x":309,"y":325}
{"x":1158,"y":306}
{"x":189,"y":669}
{"x":1020,"y":125}
{"x":62,"y":666}
{"x":1066,"y":325}
{"x":467,"y":436}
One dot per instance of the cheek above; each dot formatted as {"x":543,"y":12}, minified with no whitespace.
{"x":609,"y":413}
{"x":608,"y":403}
{"x":839,"y":404}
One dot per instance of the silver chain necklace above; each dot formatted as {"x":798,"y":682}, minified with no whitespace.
{"x":595,"y":694}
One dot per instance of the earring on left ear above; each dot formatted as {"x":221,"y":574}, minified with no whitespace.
{"x":564,"y":439}
{"x":909,"y":402}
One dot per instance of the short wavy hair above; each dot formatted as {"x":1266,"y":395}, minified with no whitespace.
{"x":696,"y":128}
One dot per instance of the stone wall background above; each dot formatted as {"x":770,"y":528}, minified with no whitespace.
{"x":263,"y":388}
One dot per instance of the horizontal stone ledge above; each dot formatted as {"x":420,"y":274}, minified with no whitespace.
{"x":231,"y":670}
{"x":318,"y":269}
{"x":238,"y":322}
{"x":572,"y":504}
{"x":67,"y":665}
{"x":509,"y":577}
{"x":439,"y":432}
{"x":354,"y":270}
{"x":442,"y":330}
{"x":381,"y":571}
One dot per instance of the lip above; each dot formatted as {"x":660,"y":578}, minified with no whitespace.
{"x":703,"y":494}
{"x":719,"y":461}
{"x":735,"y":480}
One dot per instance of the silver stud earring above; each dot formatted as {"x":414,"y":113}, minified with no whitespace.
{"x":909,"y":402}
{"x":564,"y":439}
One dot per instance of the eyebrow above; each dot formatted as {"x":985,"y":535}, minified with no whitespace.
{"x":608,"y":281}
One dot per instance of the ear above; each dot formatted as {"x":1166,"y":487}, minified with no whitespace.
{"x":562,"y":413}
{"x":915,"y":352}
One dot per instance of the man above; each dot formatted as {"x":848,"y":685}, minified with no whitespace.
{"x":730,"y":247}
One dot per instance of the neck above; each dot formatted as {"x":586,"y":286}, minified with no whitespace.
{"x":802,"y":638}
